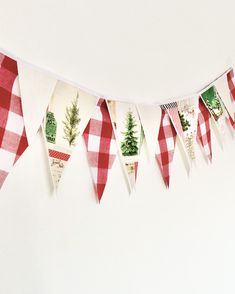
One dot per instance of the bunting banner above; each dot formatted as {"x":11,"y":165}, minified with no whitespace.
{"x":31,"y":98}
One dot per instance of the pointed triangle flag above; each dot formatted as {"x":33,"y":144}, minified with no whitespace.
{"x":101,"y":146}
{"x":67,"y":115}
{"x":36,"y":90}
{"x":204,"y":130}
{"x":188,"y":112}
{"x":172,"y":110}
{"x":13,"y":141}
{"x":166,"y":146}
{"x":150,"y":117}
{"x":222,"y":85}
{"x":215,"y":105}
{"x":129,"y":137}
{"x":231,"y":87}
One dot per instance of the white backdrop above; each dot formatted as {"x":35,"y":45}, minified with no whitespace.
{"x":156,"y":241}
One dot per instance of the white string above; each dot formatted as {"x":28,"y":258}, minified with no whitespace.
{"x":105,"y":96}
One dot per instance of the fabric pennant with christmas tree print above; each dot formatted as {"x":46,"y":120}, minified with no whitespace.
{"x":13,"y":141}
{"x":101,"y":146}
{"x":67,"y":115}
{"x":172,"y":110}
{"x":204,"y":130}
{"x":129,"y":135}
{"x":216,"y":107}
{"x":166,"y":146}
{"x":188,"y":113}
{"x":223,"y":85}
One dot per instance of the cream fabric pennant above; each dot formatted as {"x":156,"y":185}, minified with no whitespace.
{"x":67,"y":115}
{"x":36,"y":89}
{"x":150,"y":117}
{"x":223,"y":89}
{"x":188,"y":113}
{"x":129,"y":137}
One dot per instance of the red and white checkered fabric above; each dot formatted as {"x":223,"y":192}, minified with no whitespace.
{"x":230,"y":77}
{"x":230,"y":80}
{"x":13,"y":141}
{"x":101,"y":146}
{"x":203,"y":129}
{"x":166,"y":144}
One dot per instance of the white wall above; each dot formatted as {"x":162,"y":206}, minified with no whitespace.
{"x":156,"y":241}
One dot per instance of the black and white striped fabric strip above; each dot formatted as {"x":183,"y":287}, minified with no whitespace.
{"x":169,"y":105}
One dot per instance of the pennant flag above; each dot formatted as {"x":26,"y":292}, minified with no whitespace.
{"x":129,"y":136}
{"x":166,"y":146}
{"x":215,"y":105}
{"x":13,"y":141}
{"x":204,"y":130}
{"x":172,"y":110}
{"x":101,"y":146}
{"x":36,"y":89}
{"x":150,"y":117}
{"x":222,"y":85}
{"x":188,"y":112}
{"x":231,"y":86}
{"x":67,"y":116}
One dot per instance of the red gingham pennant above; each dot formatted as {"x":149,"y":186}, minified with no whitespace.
{"x":230,"y":120}
{"x":101,"y":146}
{"x":13,"y":141}
{"x":203,"y":129}
{"x":230,"y":77}
{"x":166,"y":142}
{"x":173,"y":112}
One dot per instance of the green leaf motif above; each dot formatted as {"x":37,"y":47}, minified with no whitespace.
{"x":71,"y":122}
{"x":184,"y":122}
{"x":50,"y":127}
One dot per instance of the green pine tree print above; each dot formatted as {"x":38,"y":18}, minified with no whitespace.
{"x":71,"y":122}
{"x":129,"y":146}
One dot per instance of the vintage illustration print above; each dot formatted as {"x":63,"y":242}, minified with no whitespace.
{"x":216,"y":107}
{"x":129,"y":134}
{"x":214,"y":103}
{"x":188,"y":113}
{"x":67,"y":115}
